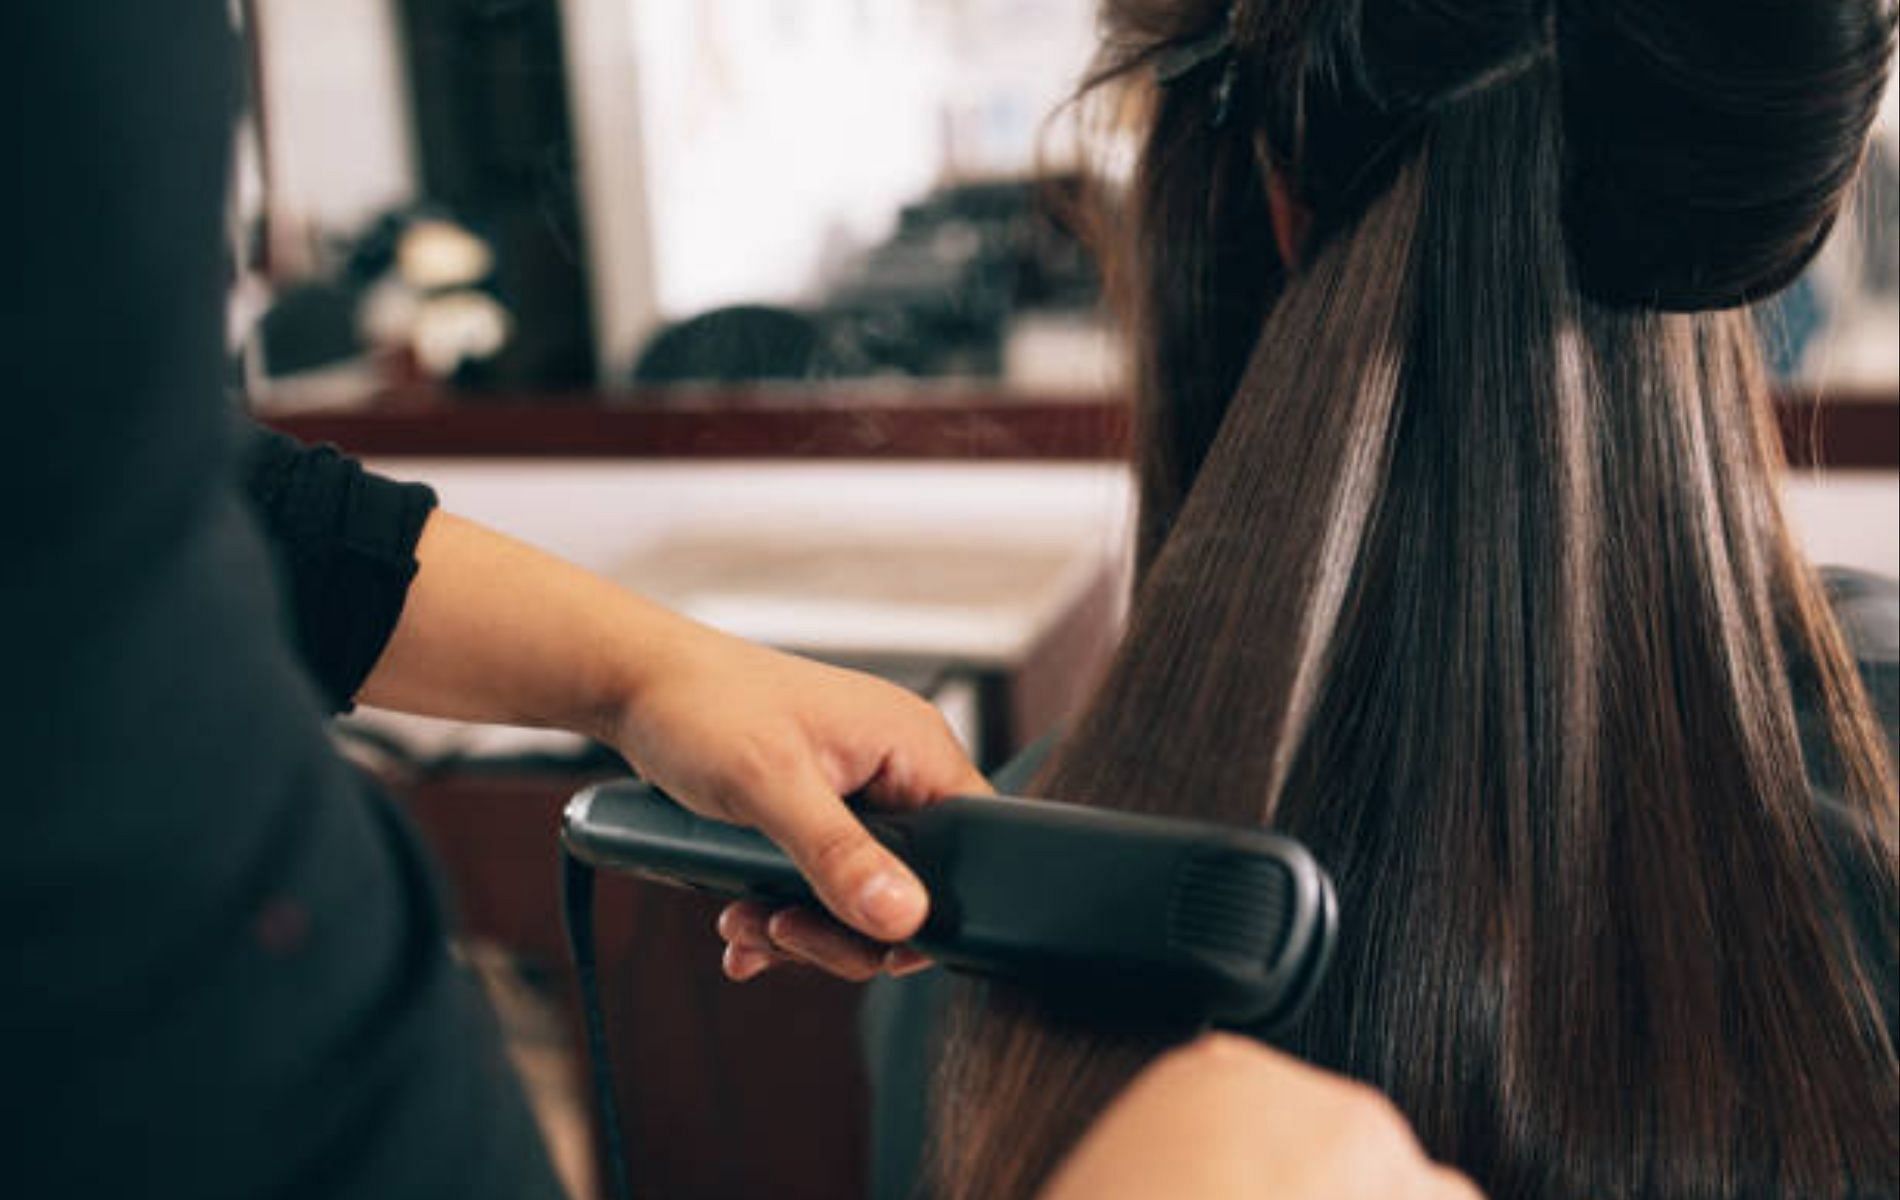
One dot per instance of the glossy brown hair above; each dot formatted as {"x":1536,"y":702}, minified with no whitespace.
{"x":1462,"y":561}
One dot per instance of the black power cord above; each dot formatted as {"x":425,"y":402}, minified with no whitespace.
{"x":577,"y":908}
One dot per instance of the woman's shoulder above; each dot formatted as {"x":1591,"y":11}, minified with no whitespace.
{"x":1867,"y":606}
{"x":1868,"y":609}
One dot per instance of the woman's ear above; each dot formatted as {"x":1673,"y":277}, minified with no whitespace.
{"x":1292,"y":221}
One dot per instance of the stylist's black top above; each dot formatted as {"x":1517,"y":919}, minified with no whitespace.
{"x":227,"y":973}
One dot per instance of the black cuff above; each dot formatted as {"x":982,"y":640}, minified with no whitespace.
{"x":346,"y":546}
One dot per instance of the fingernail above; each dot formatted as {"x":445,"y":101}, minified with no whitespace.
{"x":752,"y":944}
{"x":905,"y":960}
{"x":795,"y":945}
{"x":742,"y":964}
{"x":782,"y":927}
{"x":890,"y":903}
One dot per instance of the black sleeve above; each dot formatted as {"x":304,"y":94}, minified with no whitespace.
{"x":345,"y":540}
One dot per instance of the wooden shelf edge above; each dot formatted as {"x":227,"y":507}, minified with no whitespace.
{"x":1861,"y":432}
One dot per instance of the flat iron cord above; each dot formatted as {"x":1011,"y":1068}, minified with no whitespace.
{"x":577,"y":910}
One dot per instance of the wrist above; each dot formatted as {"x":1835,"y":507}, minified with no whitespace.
{"x":646,"y":648}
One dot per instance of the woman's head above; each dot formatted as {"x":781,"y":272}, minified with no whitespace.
{"x":1709,"y":143}
{"x":1706,"y":145}
{"x":1462,"y":561}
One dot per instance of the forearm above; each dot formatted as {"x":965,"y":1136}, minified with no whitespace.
{"x":494,"y":630}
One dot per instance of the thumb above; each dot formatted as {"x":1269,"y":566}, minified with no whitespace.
{"x":863,"y":884}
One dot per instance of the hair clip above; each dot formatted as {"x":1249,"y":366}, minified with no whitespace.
{"x":1179,"y":62}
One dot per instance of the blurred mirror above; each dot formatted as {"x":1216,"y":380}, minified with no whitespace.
{"x":616,"y":201}
{"x":545,"y":195}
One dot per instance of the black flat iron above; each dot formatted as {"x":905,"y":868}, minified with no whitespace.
{"x":1156,"y":920}
{"x":1185,"y":920}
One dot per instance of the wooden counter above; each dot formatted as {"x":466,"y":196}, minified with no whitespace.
{"x":1846,"y":430}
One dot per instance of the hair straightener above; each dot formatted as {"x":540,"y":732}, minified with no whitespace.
{"x":1123,"y":916}
{"x":1181,"y":920}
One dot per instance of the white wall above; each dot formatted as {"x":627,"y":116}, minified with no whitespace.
{"x":1848,"y":518}
{"x":596,"y":513}
{"x":780,"y":136}
{"x":777,"y":134}
{"x":336,"y":101}
{"x":611,"y":159}
{"x":1013,"y":64}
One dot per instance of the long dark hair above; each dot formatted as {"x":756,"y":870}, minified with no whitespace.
{"x":1462,"y":561}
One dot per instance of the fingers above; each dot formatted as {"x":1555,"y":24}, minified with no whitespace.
{"x":749,"y":950}
{"x":928,"y":765}
{"x":862,"y":883}
{"x":759,"y":938}
{"x":950,"y":771}
{"x":742,"y":965}
{"x":808,"y":936}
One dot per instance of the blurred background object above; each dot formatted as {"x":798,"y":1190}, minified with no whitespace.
{"x":413,"y":138}
{"x":742,"y":193}
{"x":669,"y":191}
{"x":967,"y":267}
{"x":1836,"y":327}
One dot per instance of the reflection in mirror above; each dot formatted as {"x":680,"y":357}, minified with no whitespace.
{"x":545,"y":194}
{"x":409,"y":197}
{"x":657,"y":203}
